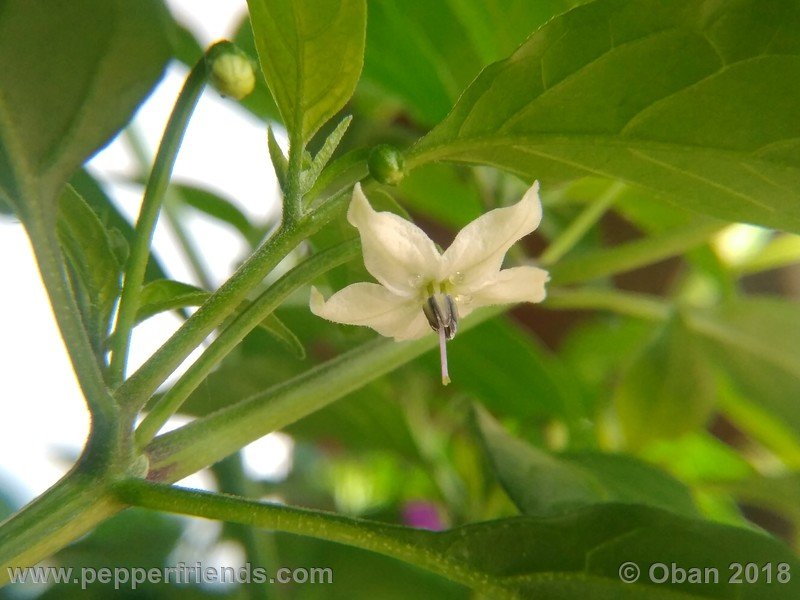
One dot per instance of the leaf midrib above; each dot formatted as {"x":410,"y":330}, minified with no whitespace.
{"x":425,"y":151}
{"x":451,"y":149}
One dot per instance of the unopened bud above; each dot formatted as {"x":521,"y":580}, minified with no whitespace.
{"x":230,"y":70}
{"x":386,"y":164}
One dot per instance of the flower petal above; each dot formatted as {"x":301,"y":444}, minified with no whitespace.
{"x":396,"y":252}
{"x":519,"y":284}
{"x":372,"y":305}
{"x":477,"y":253}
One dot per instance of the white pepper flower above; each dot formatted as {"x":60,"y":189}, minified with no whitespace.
{"x":420,"y":288}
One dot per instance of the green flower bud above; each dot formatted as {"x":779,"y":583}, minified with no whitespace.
{"x":230,"y":70}
{"x":386,"y":164}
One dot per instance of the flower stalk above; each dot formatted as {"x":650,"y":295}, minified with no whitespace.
{"x":148,"y":216}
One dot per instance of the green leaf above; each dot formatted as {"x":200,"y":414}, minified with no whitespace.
{"x":278,"y":329}
{"x":219,"y":208}
{"x":756,"y":341}
{"x":594,"y":351}
{"x":5,"y":208}
{"x":311,"y":53}
{"x":580,"y":554}
{"x":238,"y":378}
{"x":72,"y":73}
{"x":668,"y":390}
{"x":113,"y":220}
{"x":692,"y":99}
{"x":699,"y":457}
{"x":778,"y":493}
{"x":564,"y":557}
{"x":757,"y":419}
{"x":309,"y":177}
{"x":279,"y":161}
{"x":426,"y":52}
{"x":362,"y":575}
{"x":366,"y":420}
{"x":542,"y":484}
{"x":426,"y":188}
{"x":95,"y":270}
{"x":512,"y":374}
{"x":185,"y":46}
{"x":165,"y":294}
{"x":631,"y":255}
{"x":109,"y":544}
{"x":259,"y":101}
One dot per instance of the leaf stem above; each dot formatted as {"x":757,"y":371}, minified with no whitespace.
{"x":412,"y":546}
{"x":232,"y":480}
{"x":104,"y":412}
{"x":171,"y":212}
{"x":136,"y":390}
{"x":641,"y":306}
{"x":209,"y":439}
{"x":293,"y":198}
{"x":258,"y":310}
{"x":148,"y":215}
{"x":632,"y":255}
{"x":578,"y":228}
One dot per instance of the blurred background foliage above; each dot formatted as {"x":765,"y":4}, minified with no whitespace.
{"x":672,"y":381}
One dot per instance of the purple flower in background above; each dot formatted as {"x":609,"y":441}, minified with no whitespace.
{"x":422,"y":515}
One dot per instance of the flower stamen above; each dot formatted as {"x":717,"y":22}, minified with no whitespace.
{"x":443,"y":356}
{"x":442,"y":314}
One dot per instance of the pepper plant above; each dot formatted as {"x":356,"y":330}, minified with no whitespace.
{"x":647,"y":411}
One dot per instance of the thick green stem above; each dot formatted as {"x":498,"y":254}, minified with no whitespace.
{"x":148,"y":215}
{"x":65,"y":512}
{"x":102,"y":444}
{"x":260,"y":308}
{"x":137,"y":389}
{"x":581,"y":225}
{"x":205,"y":441}
{"x":408,"y":545}
{"x":74,"y":505}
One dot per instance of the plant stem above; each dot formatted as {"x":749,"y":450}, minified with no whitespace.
{"x":209,"y":439}
{"x":641,"y":306}
{"x":626,"y":257}
{"x":65,"y":512}
{"x":171,"y":212}
{"x":578,"y":228}
{"x":101,"y":445}
{"x":762,"y":425}
{"x":231,"y":479}
{"x":258,"y":310}
{"x":409,"y":545}
{"x":148,"y":215}
{"x":293,"y":198}
{"x":134,"y":392}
